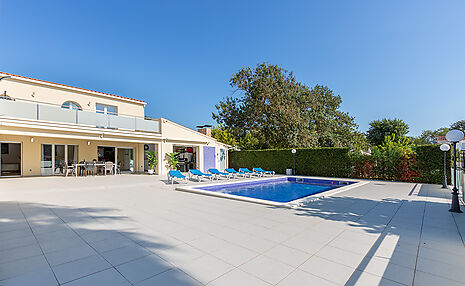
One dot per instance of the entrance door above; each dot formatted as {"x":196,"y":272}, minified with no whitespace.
{"x":10,"y":159}
{"x":222,"y":159}
{"x":208,"y":158}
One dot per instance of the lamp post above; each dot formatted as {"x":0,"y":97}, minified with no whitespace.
{"x":293,"y":151}
{"x":444,"y":148}
{"x":455,"y":136}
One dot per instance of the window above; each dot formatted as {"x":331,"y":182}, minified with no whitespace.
{"x":71,"y":105}
{"x":106,"y":109}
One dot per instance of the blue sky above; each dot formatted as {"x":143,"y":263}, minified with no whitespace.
{"x":403,"y":59}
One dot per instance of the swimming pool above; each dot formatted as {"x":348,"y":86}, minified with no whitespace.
{"x":276,"y":191}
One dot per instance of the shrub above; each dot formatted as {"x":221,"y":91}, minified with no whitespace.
{"x":430,"y":164}
{"x":423,"y":164}
{"x":327,"y":162}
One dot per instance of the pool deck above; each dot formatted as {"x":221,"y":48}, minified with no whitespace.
{"x":137,"y":230}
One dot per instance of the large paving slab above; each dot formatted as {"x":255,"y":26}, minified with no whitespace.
{"x":137,"y":230}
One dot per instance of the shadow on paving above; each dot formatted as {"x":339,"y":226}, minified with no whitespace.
{"x":398,"y":227}
{"x":53,"y":245}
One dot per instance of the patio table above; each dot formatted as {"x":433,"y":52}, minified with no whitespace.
{"x":95,"y":165}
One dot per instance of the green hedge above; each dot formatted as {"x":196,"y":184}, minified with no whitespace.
{"x":335,"y":162}
{"x":431,"y":164}
{"x":326,"y":162}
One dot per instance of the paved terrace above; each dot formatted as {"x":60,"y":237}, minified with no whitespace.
{"x":127,"y":230}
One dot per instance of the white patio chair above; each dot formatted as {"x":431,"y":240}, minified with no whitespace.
{"x":109,"y":168}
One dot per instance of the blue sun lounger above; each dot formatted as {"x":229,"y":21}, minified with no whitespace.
{"x":175,"y":174}
{"x":260,"y":170}
{"x":234,"y":172}
{"x":195,"y":172}
{"x":250,"y":173}
{"x":217,"y":173}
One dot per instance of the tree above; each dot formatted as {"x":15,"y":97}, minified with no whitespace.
{"x":224,"y":135}
{"x":460,"y":125}
{"x":429,"y":137}
{"x":379,"y":129}
{"x":271,"y":109}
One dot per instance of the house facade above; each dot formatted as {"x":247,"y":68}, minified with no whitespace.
{"x":45,"y":126}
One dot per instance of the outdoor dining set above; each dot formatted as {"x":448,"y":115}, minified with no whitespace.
{"x":86,"y":168}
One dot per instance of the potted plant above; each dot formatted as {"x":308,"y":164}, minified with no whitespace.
{"x":152,"y":160}
{"x":172,"y":160}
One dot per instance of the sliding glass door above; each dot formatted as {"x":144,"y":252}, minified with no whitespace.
{"x":54,"y":158}
{"x":10,"y":159}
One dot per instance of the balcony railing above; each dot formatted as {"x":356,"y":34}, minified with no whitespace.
{"x":44,"y":112}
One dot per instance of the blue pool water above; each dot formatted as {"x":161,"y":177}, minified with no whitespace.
{"x":277,"y":190}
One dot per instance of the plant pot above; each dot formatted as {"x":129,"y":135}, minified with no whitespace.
{"x":150,"y":172}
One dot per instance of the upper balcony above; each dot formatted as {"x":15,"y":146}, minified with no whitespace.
{"x":52,"y":113}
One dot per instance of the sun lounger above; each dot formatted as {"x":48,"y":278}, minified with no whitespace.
{"x":175,"y":174}
{"x":195,"y":172}
{"x":218,"y":174}
{"x":250,"y":173}
{"x":260,"y":170}
{"x":234,"y":172}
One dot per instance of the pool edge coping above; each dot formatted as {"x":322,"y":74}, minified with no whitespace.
{"x":292,"y":204}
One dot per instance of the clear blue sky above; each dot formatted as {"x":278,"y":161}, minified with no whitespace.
{"x":403,"y":59}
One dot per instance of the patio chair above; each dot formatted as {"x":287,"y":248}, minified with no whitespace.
{"x":109,"y":168}
{"x":69,"y":169}
{"x":89,"y":168}
{"x":250,"y":173}
{"x":235,"y":173}
{"x":200,"y":175}
{"x":175,"y":174}
{"x":260,"y":170}
{"x":218,"y":174}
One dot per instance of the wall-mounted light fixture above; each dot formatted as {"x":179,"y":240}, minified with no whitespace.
{"x":88,"y":104}
{"x":88,"y":143}
{"x":33,"y":94}
{"x":32,"y":139}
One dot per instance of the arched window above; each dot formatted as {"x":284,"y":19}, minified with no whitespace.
{"x":71,"y":105}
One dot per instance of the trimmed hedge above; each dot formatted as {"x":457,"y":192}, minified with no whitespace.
{"x":335,"y":162}
{"x":431,"y":164}
{"x":325,"y":162}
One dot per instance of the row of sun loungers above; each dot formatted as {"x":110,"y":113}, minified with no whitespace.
{"x":229,"y":173}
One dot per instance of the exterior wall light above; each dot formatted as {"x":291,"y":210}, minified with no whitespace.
{"x":455,"y":136}
{"x":32,"y":139}
{"x":88,"y":143}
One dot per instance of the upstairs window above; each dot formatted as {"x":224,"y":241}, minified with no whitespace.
{"x":71,"y":105}
{"x":106,"y":109}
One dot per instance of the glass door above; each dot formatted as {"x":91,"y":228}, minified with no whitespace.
{"x":72,"y":154}
{"x":55,"y":156}
{"x":60,"y":159}
{"x":46,"y":160}
{"x":10,"y":159}
{"x":125,"y":157}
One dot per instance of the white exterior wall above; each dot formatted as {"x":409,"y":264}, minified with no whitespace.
{"x":42,"y":93}
{"x":176,"y":134}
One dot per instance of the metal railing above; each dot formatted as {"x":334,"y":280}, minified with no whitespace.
{"x":46,"y":112}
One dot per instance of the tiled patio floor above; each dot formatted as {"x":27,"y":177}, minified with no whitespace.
{"x":124,"y":230}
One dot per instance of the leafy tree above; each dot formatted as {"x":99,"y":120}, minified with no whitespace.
{"x":429,"y":137}
{"x":271,"y":109}
{"x":379,"y":129}
{"x":224,"y":135}
{"x":460,"y":125}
